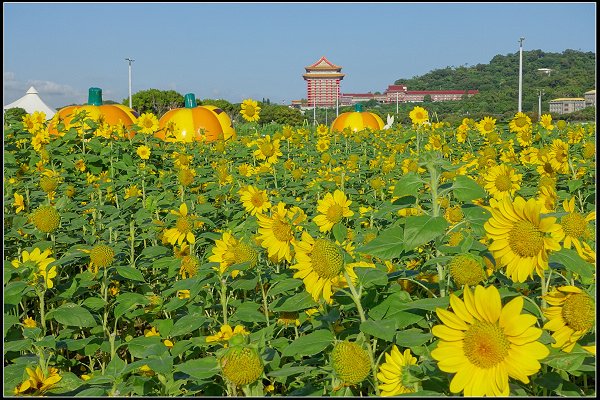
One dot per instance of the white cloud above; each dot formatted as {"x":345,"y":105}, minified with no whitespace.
{"x":53,"y":88}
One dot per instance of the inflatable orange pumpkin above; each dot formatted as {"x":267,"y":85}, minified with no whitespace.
{"x":190,"y":123}
{"x":110,"y":113}
{"x":357,"y":120}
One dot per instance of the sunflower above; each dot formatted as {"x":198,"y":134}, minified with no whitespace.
{"x":36,"y":260}
{"x":250,"y":110}
{"x":226,"y":332}
{"x":320,"y":264}
{"x":520,"y":122}
{"x":572,"y":314}
{"x":485,"y":344}
{"x":546,"y":122}
{"x":559,"y":156}
{"x":350,"y":362}
{"x":288,"y":318}
{"x":143,"y":152}
{"x":332,"y":209}
{"x":323,"y":144}
{"x":276,"y":233}
{"x":525,"y":137}
{"x":268,"y":150}
{"x":38,"y":382}
{"x":322,"y":130}
{"x":419,"y":115}
{"x":575,"y":226}
{"x":229,"y":251}
{"x":390,"y":373}
{"x":547,"y":198}
{"x":148,"y":123}
{"x":19,"y":204}
{"x":545,"y":165}
{"x":486,"y":125}
{"x":255,"y":201}
{"x":183,"y":227}
{"x":501,"y":181}
{"x":521,"y":238}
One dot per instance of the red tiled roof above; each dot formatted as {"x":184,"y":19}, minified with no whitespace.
{"x":441,"y":91}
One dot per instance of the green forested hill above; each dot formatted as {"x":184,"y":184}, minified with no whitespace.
{"x":573,"y":73}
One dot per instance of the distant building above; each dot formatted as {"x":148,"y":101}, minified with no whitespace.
{"x":323,"y":83}
{"x":590,"y":98}
{"x":566,"y":105}
{"x":323,"y":90}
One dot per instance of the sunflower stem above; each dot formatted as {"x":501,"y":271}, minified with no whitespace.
{"x":224,"y":300}
{"x":264,"y":297}
{"x":361,"y":313}
{"x":420,"y":284}
{"x":42,"y":311}
{"x":132,"y":239}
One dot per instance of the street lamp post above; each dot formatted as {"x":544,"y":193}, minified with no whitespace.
{"x":130,"y":61}
{"x":520,"y":71}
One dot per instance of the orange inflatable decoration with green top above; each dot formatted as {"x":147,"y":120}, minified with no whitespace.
{"x":192,"y":123}
{"x":110,"y":113}
{"x":357,"y":120}
{"x":226,"y":124}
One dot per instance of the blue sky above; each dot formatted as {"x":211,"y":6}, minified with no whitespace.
{"x":236,"y":51}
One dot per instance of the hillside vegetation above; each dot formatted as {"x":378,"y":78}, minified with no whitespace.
{"x":573,"y":73}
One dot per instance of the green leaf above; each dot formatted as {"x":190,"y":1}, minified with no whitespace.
{"x":284,"y":286}
{"x":569,"y":362}
{"x":187,"y":324}
{"x":574,"y":184}
{"x":387,"y":245}
{"x":383,"y":329}
{"x":370,"y":277}
{"x":245,"y":284}
{"x":14,"y":291}
{"x":248,"y":312}
{"x":17,"y":345}
{"x":573,"y":262}
{"x":339,"y":232}
{"x":130,"y":273}
{"x":288,"y":371}
{"x":310,"y":344}
{"x":127,"y":300}
{"x":297,"y":302}
{"x":93,"y":303}
{"x":412,"y":338}
{"x":154,"y":251}
{"x":71,"y":314}
{"x":202,"y":368}
{"x":466,"y":189}
{"x":420,"y":229}
{"x":408,"y":185}
{"x":9,"y":321}
{"x":142,"y":347}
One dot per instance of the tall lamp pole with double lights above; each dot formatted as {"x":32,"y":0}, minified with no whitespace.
{"x":130,"y":61}
{"x":520,"y":71}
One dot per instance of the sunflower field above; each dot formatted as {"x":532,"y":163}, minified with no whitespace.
{"x":423,"y":259}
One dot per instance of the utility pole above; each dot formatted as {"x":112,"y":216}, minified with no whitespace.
{"x":540,"y":93}
{"x":520,"y":71}
{"x":130,"y":61}
{"x":396,"y":104}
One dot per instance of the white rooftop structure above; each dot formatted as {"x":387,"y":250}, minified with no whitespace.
{"x":32,"y":102}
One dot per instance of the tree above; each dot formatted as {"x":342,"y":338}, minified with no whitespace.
{"x":155,"y":101}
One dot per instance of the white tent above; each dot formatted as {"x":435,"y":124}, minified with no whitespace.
{"x":31,"y":102}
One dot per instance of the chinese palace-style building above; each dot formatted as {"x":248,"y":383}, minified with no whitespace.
{"x":323,"y":83}
{"x":323,"y":90}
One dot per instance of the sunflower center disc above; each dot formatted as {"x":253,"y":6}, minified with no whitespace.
{"x":579,"y":312}
{"x":525,"y":239}
{"x":327,"y":259}
{"x":485,"y":344}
